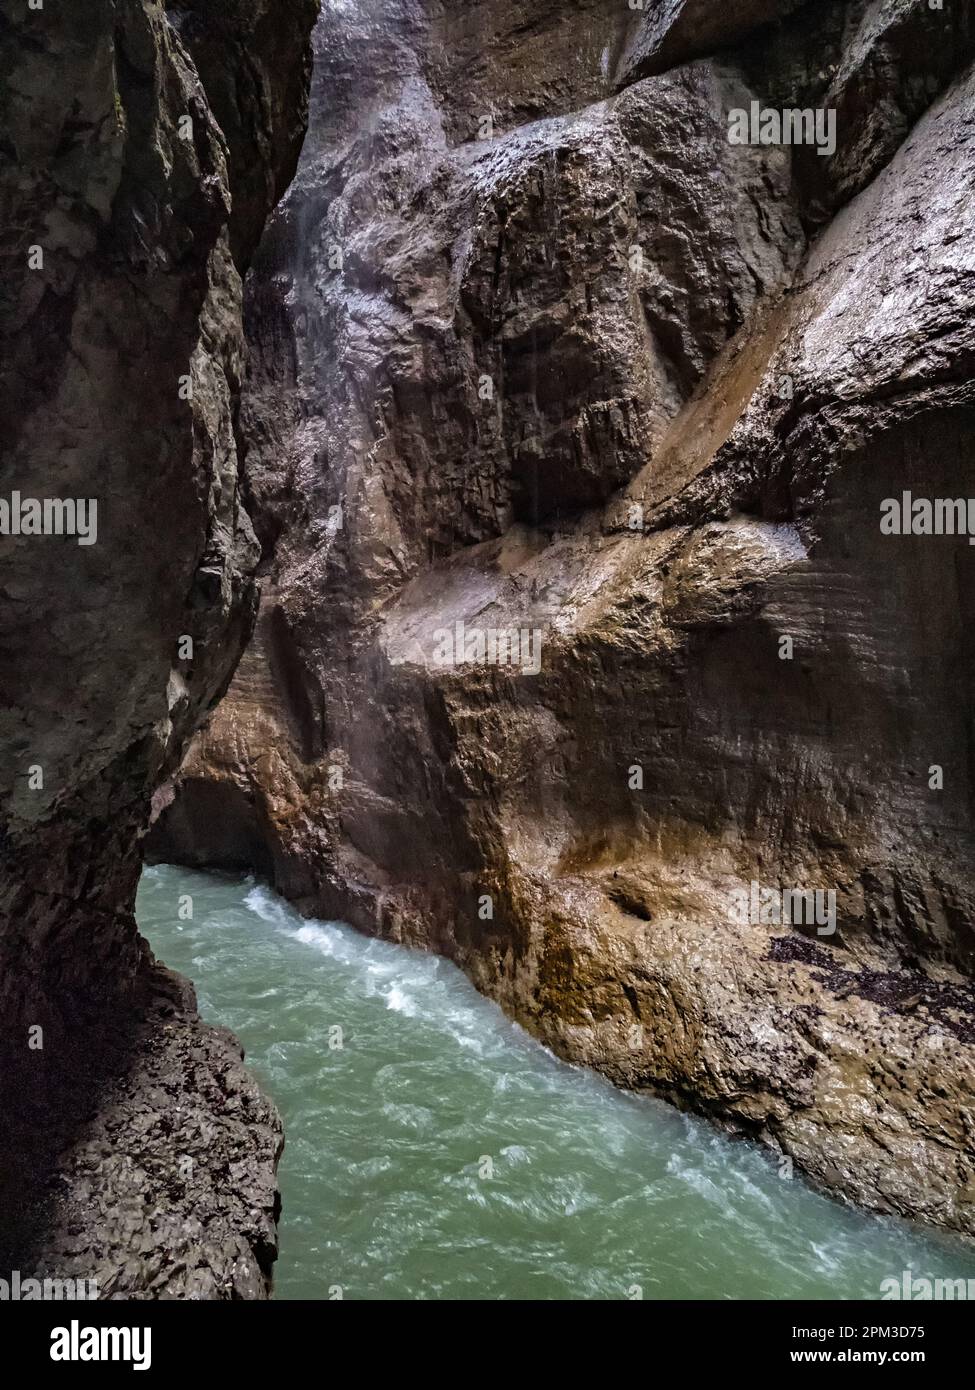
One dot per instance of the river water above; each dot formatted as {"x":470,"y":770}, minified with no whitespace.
{"x":435,"y":1151}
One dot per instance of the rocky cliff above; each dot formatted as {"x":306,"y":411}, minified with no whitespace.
{"x":142,"y":150}
{"x":544,"y":356}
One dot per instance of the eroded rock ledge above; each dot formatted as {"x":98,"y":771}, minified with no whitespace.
{"x":585,"y":367}
{"x":142,"y":149}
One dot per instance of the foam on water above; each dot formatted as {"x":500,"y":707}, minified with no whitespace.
{"x":434,"y":1150}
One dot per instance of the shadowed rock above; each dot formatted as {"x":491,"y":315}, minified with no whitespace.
{"x":122,"y":352}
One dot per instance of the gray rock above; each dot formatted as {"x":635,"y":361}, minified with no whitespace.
{"x":138,"y":298}
{"x":673,"y":31}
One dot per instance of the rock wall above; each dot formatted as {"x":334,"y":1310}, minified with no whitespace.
{"x":540,"y":350}
{"x":142,"y":150}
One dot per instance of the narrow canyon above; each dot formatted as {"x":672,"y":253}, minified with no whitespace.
{"x":537,"y":348}
{"x":508,"y":447}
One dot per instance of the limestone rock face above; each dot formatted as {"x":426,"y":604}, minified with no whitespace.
{"x":672,"y":31}
{"x":131,"y":180}
{"x":876,"y":65}
{"x":594,"y":381}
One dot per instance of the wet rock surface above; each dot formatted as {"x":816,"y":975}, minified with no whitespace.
{"x":672,"y":31}
{"x":134,"y":190}
{"x":603,"y":376}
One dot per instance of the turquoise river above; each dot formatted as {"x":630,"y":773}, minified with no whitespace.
{"x":435,"y":1151}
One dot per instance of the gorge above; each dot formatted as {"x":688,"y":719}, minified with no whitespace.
{"x":491,"y":329}
{"x":543,"y":349}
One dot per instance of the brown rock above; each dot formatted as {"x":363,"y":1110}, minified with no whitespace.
{"x":676,"y":467}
